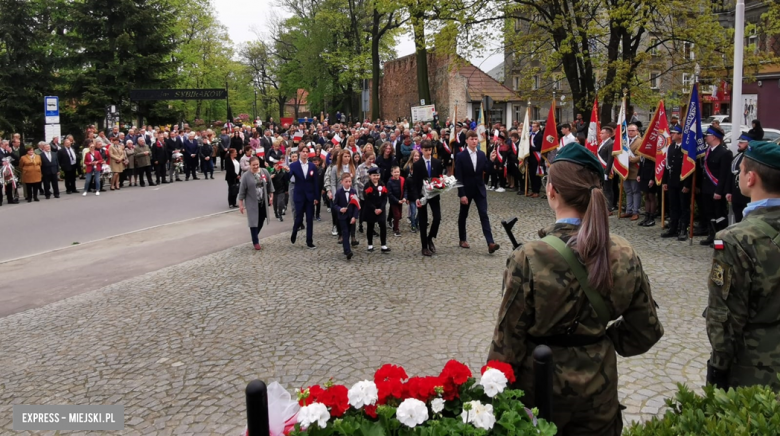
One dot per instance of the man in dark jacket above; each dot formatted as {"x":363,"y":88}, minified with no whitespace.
{"x":470,"y":164}
{"x":606,"y":158}
{"x":68,"y":159}
{"x":716,"y":167}
{"x":679,"y":191}
{"x":191,"y":157}
{"x":50,"y":170}
{"x":159,"y":158}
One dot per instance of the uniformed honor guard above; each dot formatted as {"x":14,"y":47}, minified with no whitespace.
{"x":737,"y":199}
{"x":743,"y":312}
{"x":716,"y":167}
{"x":563,"y":290}
{"x":679,"y":191}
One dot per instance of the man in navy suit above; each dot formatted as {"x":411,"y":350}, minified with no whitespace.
{"x":347,"y":210}
{"x":469,"y":166}
{"x":191,"y":157}
{"x":305,"y":194}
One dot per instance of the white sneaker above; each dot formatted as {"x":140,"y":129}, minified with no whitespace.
{"x":489,"y":188}
{"x":370,"y":248}
{"x":328,"y":210}
{"x":84,"y":194}
{"x":500,"y":190}
{"x":97,"y":193}
{"x":334,"y":231}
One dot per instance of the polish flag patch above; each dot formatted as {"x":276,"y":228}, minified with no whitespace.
{"x":718,"y":244}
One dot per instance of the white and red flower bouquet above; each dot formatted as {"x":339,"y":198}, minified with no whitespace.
{"x":452,"y":403}
{"x":437,"y":186}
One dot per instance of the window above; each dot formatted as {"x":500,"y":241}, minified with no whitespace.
{"x":536,"y":82}
{"x":558,"y":113}
{"x":687,"y":82}
{"x":518,"y":112}
{"x":752,"y":40}
{"x":654,"y":47}
{"x":654,"y":80}
{"x":535,"y":113}
{"x":688,"y":50}
{"x":515,"y":83}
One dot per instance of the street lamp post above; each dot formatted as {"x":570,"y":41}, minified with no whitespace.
{"x":736,"y":86}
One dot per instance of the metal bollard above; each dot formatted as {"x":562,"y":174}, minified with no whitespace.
{"x":543,"y":383}
{"x":257,"y":408}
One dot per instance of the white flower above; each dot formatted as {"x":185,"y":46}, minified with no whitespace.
{"x":480,"y":415}
{"x":412,"y":412}
{"x":437,"y":405}
{"x":314,"y":412}
{"x":494,"y":382}
{"x":363,"y":393}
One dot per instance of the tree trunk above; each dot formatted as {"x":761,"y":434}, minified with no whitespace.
{"x":375,"y":71}
{"x":418,"y":25}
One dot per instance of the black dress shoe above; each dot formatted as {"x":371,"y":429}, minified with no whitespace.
{"x":293,"y":237}
{"x":349,"y":255}
{"x":311,"y":246}
{"x":670,"y":233}
{"x":432,"y":246}
{"x":707,"y":241}
{"x":153,"y":184}
{"x":426,"y":252}
{"x":56,"y":196}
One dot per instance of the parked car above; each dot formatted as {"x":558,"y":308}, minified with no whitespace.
{"x":719,"y":118}
{"x":769,"y":134}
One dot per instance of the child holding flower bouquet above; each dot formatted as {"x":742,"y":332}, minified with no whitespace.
{"x":347,"y":203}
{"x":374,"y":205}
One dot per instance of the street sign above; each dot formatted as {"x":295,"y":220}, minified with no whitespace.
{"x":52,"y":131}
{"x":423,"y":113}
{"x":51,"y":109}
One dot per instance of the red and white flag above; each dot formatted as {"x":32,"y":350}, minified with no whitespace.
{"x":336,"y":139}
{"x":353,"y":199}
{"x":592,"y":142}
{"x":261,"y":152}
{"x":323,"y":154}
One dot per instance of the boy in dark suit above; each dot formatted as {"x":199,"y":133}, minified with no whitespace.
{"x":305,"y":195}
{"x":347,"y":209}
{"x":375,"y":202}
{"x":469,"y":166}
{"x":426,"y":168}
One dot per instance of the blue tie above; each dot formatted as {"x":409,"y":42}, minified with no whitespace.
{"x":429,"y":168}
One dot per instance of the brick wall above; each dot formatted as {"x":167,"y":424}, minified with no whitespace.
{"x":398,"y":88}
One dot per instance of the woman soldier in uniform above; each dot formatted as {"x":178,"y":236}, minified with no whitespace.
{"x":546,"y":304}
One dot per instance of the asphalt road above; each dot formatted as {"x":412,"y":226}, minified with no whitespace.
{"x":120,"y":235}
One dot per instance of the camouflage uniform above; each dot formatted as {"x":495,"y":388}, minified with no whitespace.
{"x":743,"y":312}
{"x":543,"y":299}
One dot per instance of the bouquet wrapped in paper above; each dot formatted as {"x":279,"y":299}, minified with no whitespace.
{"x":437,"y":186}
{"x":8,"y":173}
{"x":178,"y":162}
{"x":282,"y":411}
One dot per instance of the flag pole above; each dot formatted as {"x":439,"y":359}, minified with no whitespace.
{"x":620,"y":199}
{"x":453,"y":134}
{"x":693,"y":199}
{"x":663,"y":203}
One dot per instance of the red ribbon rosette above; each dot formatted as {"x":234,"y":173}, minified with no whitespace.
{"x":369,"y":190}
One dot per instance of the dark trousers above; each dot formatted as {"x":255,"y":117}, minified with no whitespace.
{"x":232,"y":192}
{"x":70,"y":180}
{"x":317,"y":208}
{"x":535,"y":181}
{"x":159,"y":172}
{"x":422,"y":215}
{"x":606,"y":187}
{"x":51,"y":183}
{"x":396,"y":210}
{"x":481,"y":203}
{"x":279,"y":199}
{"x":380,"y":219}
{"x":346,"y":228}
{"x":140,"y":171}
{"x":679,"y":208}
{"x":10,"y":193}
{"x":255,"y":231}
{"x":31,"y":190}
{"x":712,"y":209}
{"x":304,"y":207}
{"x":191,"y":167}
{"x":207,"y":167}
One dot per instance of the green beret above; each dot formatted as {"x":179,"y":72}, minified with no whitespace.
{"x":767,"y":153}
{"x":580,"y":155}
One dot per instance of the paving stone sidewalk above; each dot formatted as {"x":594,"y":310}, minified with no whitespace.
{"x":177,"y":346}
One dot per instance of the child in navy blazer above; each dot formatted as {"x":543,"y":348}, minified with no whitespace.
{"x":348,"y":210}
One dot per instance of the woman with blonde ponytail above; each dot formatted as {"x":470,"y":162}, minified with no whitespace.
{"x":564,"y":290}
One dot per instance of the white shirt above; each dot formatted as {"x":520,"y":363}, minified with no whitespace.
{"x":48,"y":155}
{"x":304,"y":168}
{"x":473,"y":155}
{"x":428,"y":165}
{"x":237,"y":166}
{"x":72,"y":156}
{"x":568,"y":139}
{"x":347,"y":193}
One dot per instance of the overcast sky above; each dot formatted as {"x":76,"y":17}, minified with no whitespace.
{"x":242,"y":16}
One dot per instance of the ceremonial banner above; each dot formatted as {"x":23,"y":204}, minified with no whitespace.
{"x":481,"y":131}
{"x":657,"y":136}
{"x":592,"y":143}
{"x":620,"y":149}
{"x":693,"y":139}
{"x":550,"y":138}
{"x":525,"y":137}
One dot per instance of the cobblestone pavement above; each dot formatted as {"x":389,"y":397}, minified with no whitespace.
{"x":177,"y":346}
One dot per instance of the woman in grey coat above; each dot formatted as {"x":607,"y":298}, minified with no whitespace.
{"x":255,"y":191}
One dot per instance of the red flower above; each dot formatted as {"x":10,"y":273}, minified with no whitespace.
{"x":388,"y":372}
{"x":314,"y":393}
{"x":369,"y":190}
{"x":370,"y":410}
{"x":501,"y":366}
{"x":456,"y":371}
{"x":422,"y":388}
{"x":334,"y":398}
